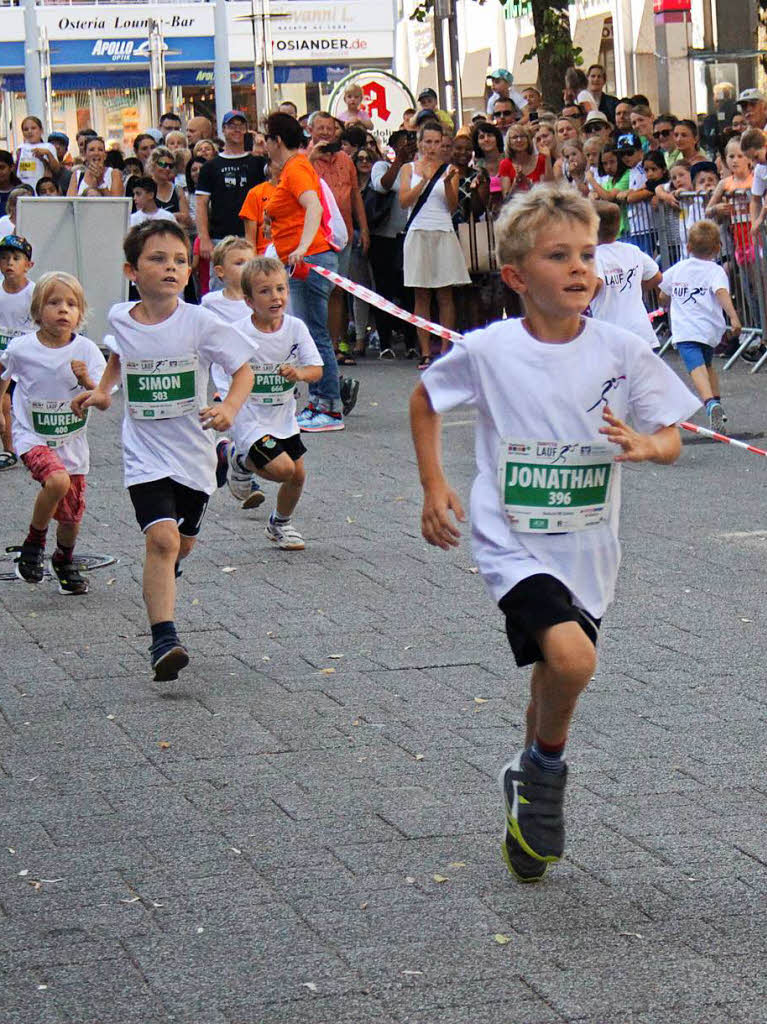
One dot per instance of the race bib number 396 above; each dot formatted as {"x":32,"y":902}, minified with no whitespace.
{"x":159,"y":389}
{"x":555,"y":486}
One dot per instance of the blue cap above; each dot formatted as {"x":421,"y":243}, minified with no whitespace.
{"x":232,"y":115}
{"x":16,"y":243}
{"x":59,"y":137}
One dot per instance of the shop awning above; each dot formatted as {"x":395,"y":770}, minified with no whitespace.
{"x":473,"y":77}
{"x":588,"y":35}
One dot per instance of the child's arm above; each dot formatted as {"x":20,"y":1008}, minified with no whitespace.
{"x":306,"y":373}
{"x":758,"y":210}
{"x":220,"y":415}
{"x":665,"y":300}
{"x":3,"y":388}
{"x":438,"y":496}
{"x":652,"y":282}
{"x":638,"y":195}
{"x":663,"y":446}
{"x":724,"y":299}
{"x":99,"y":397}
{"x":80,"y":370}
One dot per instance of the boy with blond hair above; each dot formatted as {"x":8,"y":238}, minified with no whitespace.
{"x":697,"y":291}
{"x":545,"y":501}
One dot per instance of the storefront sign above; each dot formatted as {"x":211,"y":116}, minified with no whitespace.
{"x":384,"y":99}
{"x":105,"y":50}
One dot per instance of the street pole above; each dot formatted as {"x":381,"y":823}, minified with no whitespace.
{"x":455,"y":65}
{"x":439,"y":56}
{"x":156,"y":70}
{"x":222,"y":72}
{"x":33,"y":75}
{"x":45,"y":68}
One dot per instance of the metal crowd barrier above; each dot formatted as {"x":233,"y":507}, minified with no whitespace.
{"x":662,"y":231}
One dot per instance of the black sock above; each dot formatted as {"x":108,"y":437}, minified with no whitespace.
{"x":164,"y":631}
{"x":63,"y":555}
{"x":36,"y":537}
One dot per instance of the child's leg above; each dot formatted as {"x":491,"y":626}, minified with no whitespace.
{"x":48,"y":497}
{"x":291,"y":475}
{"x":7,"y":438}
{"x":702,"y":381}
{"x":713,"y":380}
{"x":568,"y":665}
{"x":163,"y":547}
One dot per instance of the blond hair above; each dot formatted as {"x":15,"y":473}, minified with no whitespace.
{"x":520,"y":129}
{"x":528,"y":213}
{"x":703,"y":239}
{"x":260,"y":266}
{"x":226,"y":245}
{"x":353,"y":90}
{"x":47,"y":284}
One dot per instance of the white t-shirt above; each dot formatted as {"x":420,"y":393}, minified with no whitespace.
{"x":140,"y":216}
{"x":759,"y":184}
{"x":44,"y":374}
{"x":531,"y":390}
{"x":30,"y":167}
{"x":7,"y":227}
{"x":696,"y":314}
{"x":230,"y":311}
{"x":14,"y":314}
{"x":178,"y":447}
{"x":639,"y":214}
{"x":291,"y":343}
{"x":584,"y":96}
{"x":623,"y":267}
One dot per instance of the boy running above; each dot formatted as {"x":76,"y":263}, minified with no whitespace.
{"x":698,"y":292}
{"x":15,"y":300}
{"x":267,"y":438}
{"x":228,"y":259}
{"x":162,"y":350}
{"x":48,"y":365}
{"x":545,"y":502}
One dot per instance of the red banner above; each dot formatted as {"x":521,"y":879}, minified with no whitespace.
{"x":671,"y":6}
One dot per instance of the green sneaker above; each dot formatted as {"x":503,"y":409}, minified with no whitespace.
{"x":524,"y":867}
{"x":534,"y":807}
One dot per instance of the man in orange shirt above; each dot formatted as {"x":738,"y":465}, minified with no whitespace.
{"x":340,"y":175}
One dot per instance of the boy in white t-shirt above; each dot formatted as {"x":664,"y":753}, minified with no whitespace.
{"x":15,"y":301}
{"x":545,"y":502}
{"x":145,"y":198}
{"x":48,"y":365}
{"x":162,"y":350}
{"x":698,"y":293}
{"x":753,"y":142}
{"x":625,"y":273}
{"x":229,"y":257}
{"x":266,"y":436}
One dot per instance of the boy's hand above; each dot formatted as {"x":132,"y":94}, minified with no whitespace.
{"x":90,"y":400}
{"x":436,"y":524}
{"x":80,"y":370}
{"x":636,"y":447}
{"x":290,"y":372}
{"x":735,"y":327}
{"x":219,"y":416}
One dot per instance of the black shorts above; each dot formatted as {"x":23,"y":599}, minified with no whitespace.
{"x":164,"y":499}
{"x":536,"y":603}
{"x":267,"y":448}
{"x":11,"y":388}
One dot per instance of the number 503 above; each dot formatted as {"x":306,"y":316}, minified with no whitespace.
{"x":560,"y":498}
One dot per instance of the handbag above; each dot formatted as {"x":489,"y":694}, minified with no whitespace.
{"x":477,"y":240}
{"x":421,"y":200}
{"x":378,"y":206}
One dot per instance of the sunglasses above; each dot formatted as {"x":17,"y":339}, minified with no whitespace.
{"x":594,"y":127}
{"x":663,"y":133}
{"x":165,"y":165}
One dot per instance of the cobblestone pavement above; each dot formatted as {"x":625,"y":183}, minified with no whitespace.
{"x":304,"y":829}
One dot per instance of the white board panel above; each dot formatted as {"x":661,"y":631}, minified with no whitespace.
{"x":82,"y":236}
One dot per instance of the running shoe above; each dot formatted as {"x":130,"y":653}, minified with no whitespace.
{"x":306,"y":416}
{"x":238,"y":478}
{"x":534,"y":807}
{"x":168,"y":658}
{"x":30,"y":565}
{"x":350,"y":389}
{"x":323,"y":422}
{"x":753,"y":354}
{"x":285,"y":535}
{"x":524,"y":867}
{"x":222,"y":461}
{"x":715,"y":414}
{"x":256,"y":496}
{"x":71,"y":580}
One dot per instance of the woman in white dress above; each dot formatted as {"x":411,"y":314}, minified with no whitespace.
{"x":95,"y":178}
{"x":433,"y":259}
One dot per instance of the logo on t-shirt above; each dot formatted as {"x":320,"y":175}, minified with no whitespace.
{"x":607,"y":387}
{"x":693,"y":292}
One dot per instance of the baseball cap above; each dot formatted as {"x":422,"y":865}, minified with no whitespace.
{"x":427,"y":93}
{"x":596,"y":115}
{"x":59,"y":137}
{"x":156,"y":134}
{"x":703,"y":165}
{"x":478,"y":115}
{"x":16,"y":243}
{"x":751,"y":96}
{"x":233,"y":115}
{"x":426,"y":115}
{"x":501,"y":73}
{"x":628,"y":140}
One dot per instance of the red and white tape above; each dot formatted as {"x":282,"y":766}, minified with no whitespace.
{"x":388,"y":307}
{"x":443,"y":332}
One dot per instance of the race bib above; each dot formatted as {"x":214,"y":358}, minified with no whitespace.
{"x":555,"y":487}
{"x":7,"y":334}
{"x":54,"y":422}
{"x":28,"y":166}
{"x":269,"y":386}
{"x":161,"y":389}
